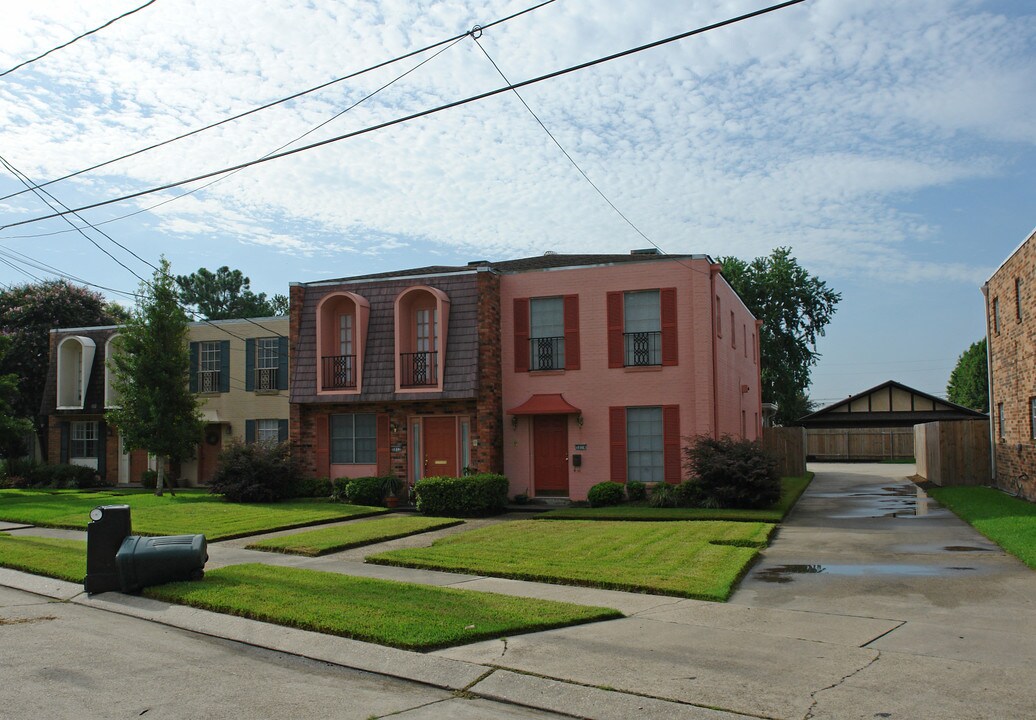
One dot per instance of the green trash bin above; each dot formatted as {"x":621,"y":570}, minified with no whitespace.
{"x":144,"y":561}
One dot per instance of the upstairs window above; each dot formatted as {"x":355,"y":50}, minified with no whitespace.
{"x":341,"y":328}
{"x":546,"y":334}
{"x":1000,"y":420}
{"x":996,"y":315}
{"x":421,"y":316}
{"x":266,"y":364}
{"x":1018,"y":298}
{"x":210,"y":366}
{"x":642,"y":328}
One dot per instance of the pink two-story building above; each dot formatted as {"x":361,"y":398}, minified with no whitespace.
{"x":560,"y":370}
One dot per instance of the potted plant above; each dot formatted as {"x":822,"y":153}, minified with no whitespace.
{"x":391,"y":487}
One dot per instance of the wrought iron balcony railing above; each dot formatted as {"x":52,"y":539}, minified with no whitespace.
{"x":338,"y":371}
{"x":419,"y":369}
{"x":643,"y":348}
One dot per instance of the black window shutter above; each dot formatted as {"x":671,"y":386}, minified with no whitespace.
{"x":282,"y":431}
{"x":224,"y":366}
{"x":194,"y":367}
{"x":249,"y":431}
{"x":65,"y":438}
{"x":282,"y":363}
{"x":102,"y":447}
{"x":250,"y":364}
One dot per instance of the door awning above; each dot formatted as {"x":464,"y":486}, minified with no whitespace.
{"x":552,"y":404}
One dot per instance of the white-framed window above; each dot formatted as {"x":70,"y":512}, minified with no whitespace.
{"x":345,"y":335}
{"x":996,"y":315}
{"x":547,"y":333}
{"x":642,"y":328}
{"x":267,"y":363}
{"x":1000,"y":420}
{"x":83,"y":439}
{"x":208,"y":366}
{"x":354,"y":439}
{"x":267,"y":431}
{"x":644,"y":450}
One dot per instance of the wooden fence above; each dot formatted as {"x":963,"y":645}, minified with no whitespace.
{"x":860,"y":444}
{"x":788,"y":445}
{"x":953,"y":452}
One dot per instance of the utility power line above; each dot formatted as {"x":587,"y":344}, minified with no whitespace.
{"x":282,"y":100}
{"x":76,"y":38}
{"x":423,"y":113}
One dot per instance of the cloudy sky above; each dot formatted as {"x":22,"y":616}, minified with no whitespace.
{"x":891,"y":144}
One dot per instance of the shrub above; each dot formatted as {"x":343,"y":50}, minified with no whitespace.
{"x":366,"y":491}
{"x":729,"y":473}
{"x":468,"y":496}
{"x":636,"y":491}
{"x":255,"y":472}
{"x":605,"y":494}
{"x":688,"y":494}
{"x":64,"y":476}
{"x":664,"y":495}
{"x":316,"y":487}
{"x":149,"y":479}
{"x":338,"y":486}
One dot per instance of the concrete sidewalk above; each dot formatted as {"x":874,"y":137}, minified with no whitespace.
{"x":871,"y":602}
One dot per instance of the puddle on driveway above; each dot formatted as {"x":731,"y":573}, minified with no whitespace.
{"x":786,"y":573}
{"x":898,"y":501}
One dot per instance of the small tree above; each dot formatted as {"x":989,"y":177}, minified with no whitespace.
{"x":152,"y":370}
{"x":13,"y":429}
{"x":969,"y":381}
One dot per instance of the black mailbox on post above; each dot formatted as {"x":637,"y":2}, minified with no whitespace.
{"x":116,"y":560}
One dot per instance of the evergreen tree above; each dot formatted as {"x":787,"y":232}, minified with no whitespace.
{"x":969,"y":381}
{"x":227,"y":294}
{"x":158,"y":412}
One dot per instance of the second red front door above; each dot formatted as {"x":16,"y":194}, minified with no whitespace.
{"x":550,"y":454}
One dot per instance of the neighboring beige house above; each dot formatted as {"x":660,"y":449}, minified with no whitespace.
{"x":239,"y":368}
{"x":1011,"y":333}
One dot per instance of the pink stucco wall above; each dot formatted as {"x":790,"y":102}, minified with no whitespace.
{"x":595,"y":387}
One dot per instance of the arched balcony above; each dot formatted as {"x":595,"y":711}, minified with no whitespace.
{"x":75,"y":361}
{"x":342,"y":319}
{"x":421,"y":324}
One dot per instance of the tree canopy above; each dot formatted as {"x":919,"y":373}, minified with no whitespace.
{"x":27,"y":314}
{"x":795,"y":308}
{"x":157,"y":411}
{"x":969,"y":381}
{"x":227,"y":294}
{"x":12,"y":427}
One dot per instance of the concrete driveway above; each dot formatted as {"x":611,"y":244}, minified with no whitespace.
{"x":872,"y":602}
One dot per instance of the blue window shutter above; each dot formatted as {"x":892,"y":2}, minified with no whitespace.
{"x":282,"y":363}
{"x":194,"y":367}
{"x":224,"y":366}
{"x":282,"y":431}
{"x":250,"y":364}
{"x":249,"y":431}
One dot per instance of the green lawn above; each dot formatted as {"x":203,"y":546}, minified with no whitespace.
{"x":689,"y":559}
{"x":1007,"y":521}
{"x":354,"y":534}
{"x":61,"y":559}
{"x":791,"y":489}
{"x":403,"y":615}
{"x":191,"y":511}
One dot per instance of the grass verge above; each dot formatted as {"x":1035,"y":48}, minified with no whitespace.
{"x":190,"y":512}
{"x":52,"y":557}
{"x":691,"y":559}
{"x":402,"y":615}
{"x":791,"y":489}
{"x":1007,"y":521}
{"x":334,"y":539}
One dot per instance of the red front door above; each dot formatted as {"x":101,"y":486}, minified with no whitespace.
{"x":550,"y":454}
{"x":440,"y":447}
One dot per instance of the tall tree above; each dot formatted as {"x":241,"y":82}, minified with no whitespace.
{"x":13,"y":428}
{"x":27,"y":314}
{"x":795,"y":307}
{"x":969,"y":381}
{"x":158,"y":412}
{"x":227,"y":294}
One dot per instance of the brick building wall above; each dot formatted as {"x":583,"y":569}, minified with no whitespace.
{"x":1011,"y":329}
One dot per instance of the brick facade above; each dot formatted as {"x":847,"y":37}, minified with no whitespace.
{"x":1011,"y":329}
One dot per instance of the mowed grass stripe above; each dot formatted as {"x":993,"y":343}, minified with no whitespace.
{"x":688,"y":559}
{"x":52,"y":557}
{"x":791,"y":489}
{"x":190,"y":512}
{"x":354,"y":534}
{"x":402,"y":615}
{"x":1007,"y":521}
